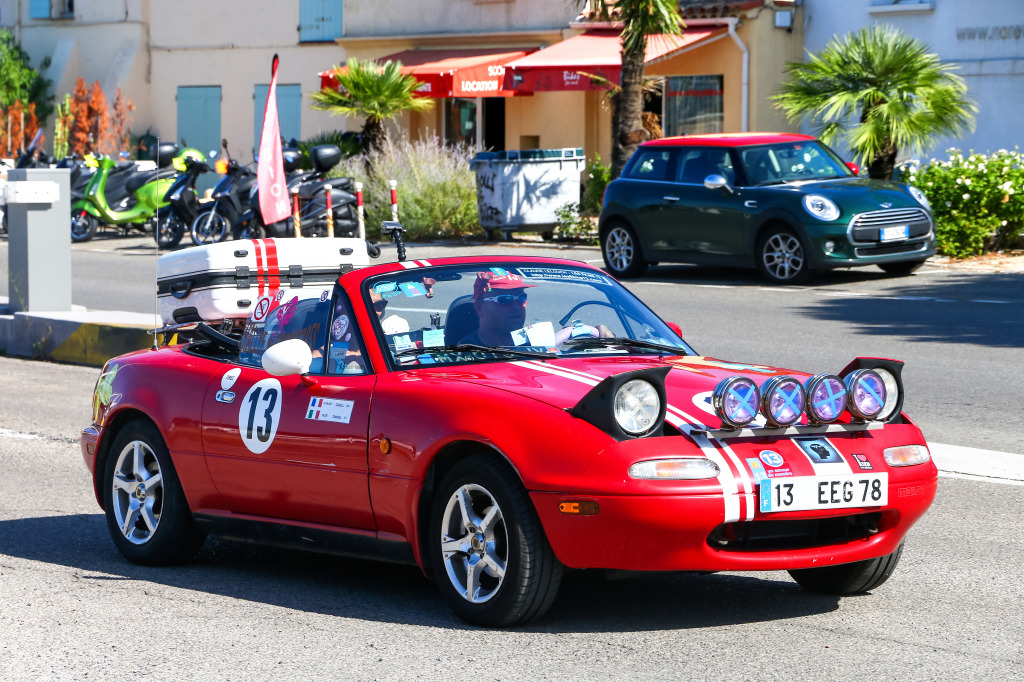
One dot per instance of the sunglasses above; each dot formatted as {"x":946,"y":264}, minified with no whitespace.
{"x":381,"y":304}
{"x":506,"y":299}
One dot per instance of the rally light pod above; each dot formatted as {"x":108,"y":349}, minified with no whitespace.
{"x":891,"y":373}
{"x":867,"y":392}
{"x":782,"y":401}
{"x":826,"y":398}
{"x":736,"y":400}
{"x":598,"y":406}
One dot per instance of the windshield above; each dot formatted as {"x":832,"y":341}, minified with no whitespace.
{"x":791,"y":162}
{"x":485,"y":312}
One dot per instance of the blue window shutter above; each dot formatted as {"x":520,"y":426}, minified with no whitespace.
{"x":199,"y":124}
{"x":39,"y":9}
{"x":320,"y":20}
{"x":289,"y":112}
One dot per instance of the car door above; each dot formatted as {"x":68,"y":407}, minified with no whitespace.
{"x":293,"y":448}
{"x":646,"y":192}
{"x":705,"y":222}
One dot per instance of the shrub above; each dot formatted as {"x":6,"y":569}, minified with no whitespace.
{"x":977,"y":200}
{"x":597,"y":179}
{"x":573,"y":226}
{"x":436,"y":187}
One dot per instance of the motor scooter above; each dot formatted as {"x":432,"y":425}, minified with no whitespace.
{"x":182,"y":204}
{"x":215,"y":218}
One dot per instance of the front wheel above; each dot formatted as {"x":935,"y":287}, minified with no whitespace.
{"x":209,"y":227}
{"x":781,"y":256}
{"x":169,"y":231}
{"x":490,"y":556}
{"x":147,"y":514}
{"x":900,"y":269}
{"x":83,"y":226}
{"x":846,"y":579}
{"x":621,"y":251}
{"x":250,"y":230}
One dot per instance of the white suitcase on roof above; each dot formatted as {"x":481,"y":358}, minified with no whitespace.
{"x":223,"y":281}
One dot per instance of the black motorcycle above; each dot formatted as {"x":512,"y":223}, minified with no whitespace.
{"x":174,"y":219}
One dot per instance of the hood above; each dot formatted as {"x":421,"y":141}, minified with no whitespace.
{"x":563,"y":382}
{"x":865,"y":193}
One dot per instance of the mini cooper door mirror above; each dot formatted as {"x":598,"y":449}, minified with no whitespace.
{"x":287,"y":358}
{"x":717,"y":182}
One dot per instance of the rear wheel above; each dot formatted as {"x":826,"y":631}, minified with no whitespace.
{"x":169,"y":230}
{"x":490,"y":556}
{"x":781,"y":256}
{"x":147,"y":514}
{"x":83,"y":226}
{"x":905,"y":268}
{"x":845,"y":579}
{"x":209,"y":227}
{"x":621,"y":250}
{"x":250,"y":230}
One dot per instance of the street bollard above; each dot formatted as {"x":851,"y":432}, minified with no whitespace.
{"x":295,"y":212}
{"x":393,"y":184}
{"x":359,"y":211}
{"x":330,"y":212}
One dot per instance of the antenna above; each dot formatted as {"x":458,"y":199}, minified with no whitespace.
{"x":156,"y":248}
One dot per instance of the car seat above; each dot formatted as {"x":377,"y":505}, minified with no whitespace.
{"x":461,"y":320}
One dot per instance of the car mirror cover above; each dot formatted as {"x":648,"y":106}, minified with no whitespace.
{"x":287,"y":358}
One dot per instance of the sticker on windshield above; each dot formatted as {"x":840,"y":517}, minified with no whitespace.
{"x":339,"y":327}
{"x":564,"y":275}
{"x":259,"y":415}
{"x":537,"y":334}
{"x":433,"y":337}
{"x":330,"y":410}
{"x":384,"y":287}
{"x":262,"y":307}
{"x":413,"y":289}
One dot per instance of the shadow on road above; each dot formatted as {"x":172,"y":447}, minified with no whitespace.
{"x":351,"y":588}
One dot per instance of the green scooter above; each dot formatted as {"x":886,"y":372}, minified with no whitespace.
{"x":135,"y":206}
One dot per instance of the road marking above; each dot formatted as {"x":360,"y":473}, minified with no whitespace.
{"x":957,"y":461}
{"x":19,"y":435}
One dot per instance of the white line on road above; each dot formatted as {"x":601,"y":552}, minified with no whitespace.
{"x":959,"y":461}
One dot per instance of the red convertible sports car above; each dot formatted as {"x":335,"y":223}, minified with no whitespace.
{"x":498,"y":421}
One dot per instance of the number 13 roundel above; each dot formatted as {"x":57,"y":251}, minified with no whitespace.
{"x":259,"y":415}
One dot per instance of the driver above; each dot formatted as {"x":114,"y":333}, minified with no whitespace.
{"x":500,"y":304}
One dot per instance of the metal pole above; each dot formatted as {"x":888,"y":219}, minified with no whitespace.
{"x":359,"y":210}
{"x":295,"y":213}
{"x":330,"y":212}
{"x":393,"y":184}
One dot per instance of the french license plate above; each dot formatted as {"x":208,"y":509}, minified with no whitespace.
{"x":891,"y":234}
{"x":802,"y":493}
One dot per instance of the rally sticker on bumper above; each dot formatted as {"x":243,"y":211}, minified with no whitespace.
{"x":330,"y":410}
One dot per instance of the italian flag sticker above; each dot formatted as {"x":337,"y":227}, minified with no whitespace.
{"x":314,"y":408}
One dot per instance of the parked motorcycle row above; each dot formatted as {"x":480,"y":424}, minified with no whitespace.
{"x":164,"y":201}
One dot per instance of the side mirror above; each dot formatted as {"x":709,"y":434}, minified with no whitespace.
{"x":717,"y":182}
{"x":854,"y":167}
{"x":676,"y":328}
{"x":287,"y":358}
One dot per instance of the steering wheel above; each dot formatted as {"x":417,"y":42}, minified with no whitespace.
{"x":577,"y":330}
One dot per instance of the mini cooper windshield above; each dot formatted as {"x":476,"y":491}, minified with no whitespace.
{"x":464,"y":314}
{"x":791,"y":162}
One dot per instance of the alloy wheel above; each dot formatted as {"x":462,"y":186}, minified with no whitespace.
{"x":620,"y":249}
{"x":474,"y":543}
{"x":783,"y":256}
{"x":138,"y":492}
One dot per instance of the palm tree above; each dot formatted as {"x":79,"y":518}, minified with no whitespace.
{"x":640,"y":19}
{"x":900,"y":94}
{"x":376,"y":92}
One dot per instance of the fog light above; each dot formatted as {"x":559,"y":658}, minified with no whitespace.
{"x":830,"y":247}
{"x":906,"y":455}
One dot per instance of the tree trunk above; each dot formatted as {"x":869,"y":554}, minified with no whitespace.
{"x":627,"y":126}
{"x":884,"y":163}
{"x":373,"y":134}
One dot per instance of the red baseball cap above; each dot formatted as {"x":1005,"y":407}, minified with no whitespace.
{"x":487,"y":281}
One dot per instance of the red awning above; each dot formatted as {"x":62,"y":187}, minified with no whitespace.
{"x":562,"y":66}
{"x":452,"y":73}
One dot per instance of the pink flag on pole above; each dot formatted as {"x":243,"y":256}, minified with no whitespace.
{"x":270,"y":165}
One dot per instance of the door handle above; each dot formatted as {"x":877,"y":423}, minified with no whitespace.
{"x":671,"y":198}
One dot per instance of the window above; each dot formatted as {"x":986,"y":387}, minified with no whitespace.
{"x":460,"y":121}
{"x":320,"y":20}
{"x":288,"y":318}
{"x":697,"y":164}
{"x":345,"y":351}
{"x":289,"y":112}
{"x":650,"y":164}
{"x":693,"y":105}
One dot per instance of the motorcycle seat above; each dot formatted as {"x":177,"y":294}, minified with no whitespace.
{"x":137,"y":181}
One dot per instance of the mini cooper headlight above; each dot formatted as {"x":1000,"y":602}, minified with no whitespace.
{"x":920,"y":197}
{"x":821,"y":207}
{"x":735,"y":400}
{"x":826,"y":398}
{"x":636,"y":406}
{"x":906,"y":455}
{"x":866,"y":390}
{"x":782,"y":401}
{"x":689,"y":469}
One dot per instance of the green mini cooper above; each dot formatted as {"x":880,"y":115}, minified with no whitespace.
{"x":783,"y":203}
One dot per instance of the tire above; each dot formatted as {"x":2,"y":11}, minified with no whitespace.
{"x":169,"y":230}
{"x":846,"y":579}
{"x":209,"y":227}
{"x":83,"y":226}
{"x":147,"y":514}
{"x":482,"y":514}
{"x":907,"y":267}
{"x":621,"y":251}
{"x":781,"y":256}
{"x":251,"y":231}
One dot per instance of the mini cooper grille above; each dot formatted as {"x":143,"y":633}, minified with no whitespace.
{"x":755,"y":536}
{"x":889,"y":249}
{"x":866,"y":227}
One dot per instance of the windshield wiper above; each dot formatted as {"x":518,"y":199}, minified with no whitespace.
{"x":631,"y":343}
{"x":474,"y":348}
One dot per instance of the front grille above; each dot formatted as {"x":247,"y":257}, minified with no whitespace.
{"x":866,"y":227}
{"x":889,"y":249}
{"x":760,"y":536}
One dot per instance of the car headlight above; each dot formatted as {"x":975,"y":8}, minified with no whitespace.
{"x":735,"y":400}
{"x":919,"y":196}
{"x":636,"y":406}
{"x":821,"y":207}
{"x":892,"y":392}
{"x":689,"y":469}
{"x":866,"y":390}
{"x":782,"y":401}
{"x":906,"y":455}
{"x":826,"y":398}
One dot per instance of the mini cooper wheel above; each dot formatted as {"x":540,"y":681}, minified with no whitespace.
{"x":621,"y":250}
{"x":83,"y":226}
{"x":901,"y":269}
{"x":845,"y":579}
{"x":147,"y":515}
{"x":490,"y":557}
{"x":781,"y":256}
